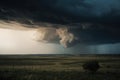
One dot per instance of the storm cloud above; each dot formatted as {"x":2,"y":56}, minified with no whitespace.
{"x":68,"y":22}
{"x":89,"y":7}
{"x":61,"y":11}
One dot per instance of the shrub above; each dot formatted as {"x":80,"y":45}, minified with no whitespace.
{"x":91,"y":66}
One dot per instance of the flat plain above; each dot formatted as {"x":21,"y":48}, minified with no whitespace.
{"x":57,"y":67}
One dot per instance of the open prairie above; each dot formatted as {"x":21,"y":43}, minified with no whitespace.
{"x":58,"y":67}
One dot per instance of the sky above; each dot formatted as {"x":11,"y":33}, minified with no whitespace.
{"x":59,"y":27}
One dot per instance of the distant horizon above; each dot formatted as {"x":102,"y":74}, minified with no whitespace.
{"x":64,"y":54}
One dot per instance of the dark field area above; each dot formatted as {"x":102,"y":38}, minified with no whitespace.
{"x":58,"y":67}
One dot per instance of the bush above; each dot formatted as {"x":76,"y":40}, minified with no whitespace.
{"x":91,"y":66}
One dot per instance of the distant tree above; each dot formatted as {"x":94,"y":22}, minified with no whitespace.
{"x":91,"y":66}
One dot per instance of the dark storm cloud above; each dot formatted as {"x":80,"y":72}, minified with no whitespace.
{"x":89,"y":7}
{"x":75,"y":21}
{"x":62,"y":11}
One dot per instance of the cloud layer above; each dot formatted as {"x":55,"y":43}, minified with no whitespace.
{"x":61,"y":11}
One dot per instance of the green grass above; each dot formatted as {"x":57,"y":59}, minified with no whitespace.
{"x":57,"y":68}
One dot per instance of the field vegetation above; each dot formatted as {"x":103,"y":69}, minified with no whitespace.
{"x":57,"y":67}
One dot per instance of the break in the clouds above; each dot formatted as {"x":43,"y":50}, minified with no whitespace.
{"x":60,"y":35}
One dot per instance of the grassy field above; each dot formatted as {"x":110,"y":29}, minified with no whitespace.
{"x":57,"y":67}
